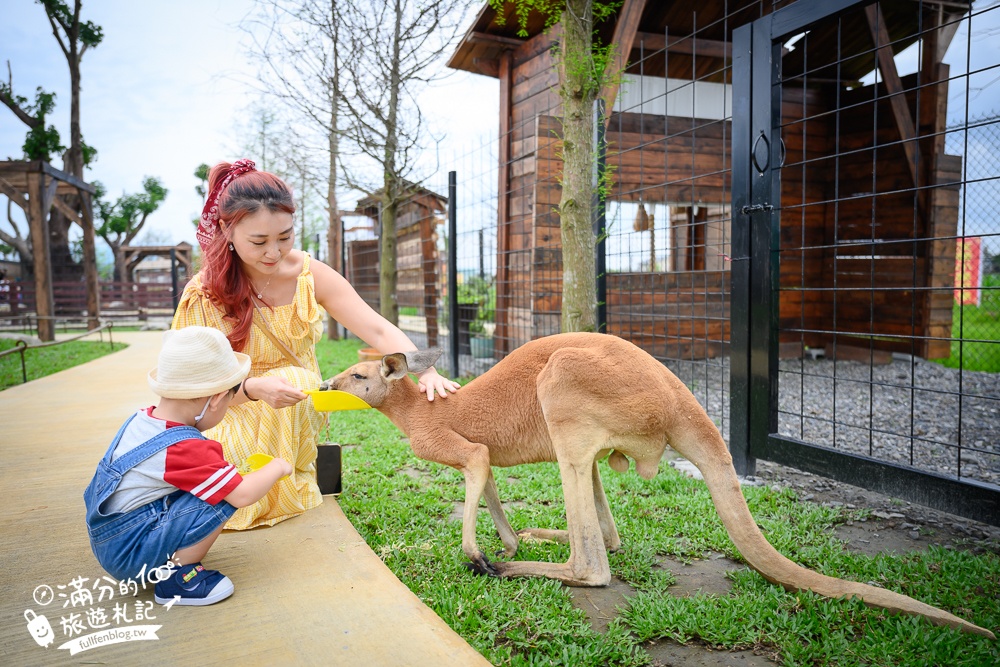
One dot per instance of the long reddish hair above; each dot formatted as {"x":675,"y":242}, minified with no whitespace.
{"x":223,"y":277}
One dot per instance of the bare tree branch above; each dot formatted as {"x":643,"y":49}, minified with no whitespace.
{"x":20,"y":243}
{"x":55,"y":31}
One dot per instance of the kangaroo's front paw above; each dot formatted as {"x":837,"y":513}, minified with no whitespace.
{"x":483,"y":566}
{"x":509,"y":553}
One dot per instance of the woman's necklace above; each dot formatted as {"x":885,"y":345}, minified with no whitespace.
{"x":260,"y":293}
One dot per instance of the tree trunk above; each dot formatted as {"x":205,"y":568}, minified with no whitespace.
{"x":334,"y":239}
{"x":119,"y":274}
{"x":388,"y":277}
{"x":335,"y":232}
{"x":578,"y":92}
{"x":64,"y":268}
{"x":73,"y":57}
{"x":75,"y":159}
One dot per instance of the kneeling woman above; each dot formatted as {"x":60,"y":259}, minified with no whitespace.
{"x":269,"y":299}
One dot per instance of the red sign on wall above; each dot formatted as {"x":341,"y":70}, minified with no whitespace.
{"x":968,"y":270}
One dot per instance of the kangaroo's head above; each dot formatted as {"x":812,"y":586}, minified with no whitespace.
{"x":373,"y":381}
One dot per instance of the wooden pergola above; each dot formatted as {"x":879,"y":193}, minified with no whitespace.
{"x":37,"y":187}
{"x":133,"y":254}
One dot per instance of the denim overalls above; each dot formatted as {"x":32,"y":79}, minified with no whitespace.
{"x":128,"y":543}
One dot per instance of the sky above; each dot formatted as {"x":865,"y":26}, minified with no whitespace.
{"x":166,"y":90}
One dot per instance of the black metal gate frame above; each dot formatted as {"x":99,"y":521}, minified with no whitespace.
{"x":755,"y":279}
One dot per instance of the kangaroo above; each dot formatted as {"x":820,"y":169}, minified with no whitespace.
{"x":574,"y":399}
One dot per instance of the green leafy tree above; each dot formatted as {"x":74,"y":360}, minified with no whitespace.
{"x":201,"y":173}
{"x":74,"y":36}
{"x":121,"y":221}
{"x":583,"y":71}
{"x":42,"y":141}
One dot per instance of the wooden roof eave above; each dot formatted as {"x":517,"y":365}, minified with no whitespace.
{"x":480,"y":48}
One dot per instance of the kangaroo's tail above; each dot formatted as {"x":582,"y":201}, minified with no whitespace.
{"x":724,"y":486}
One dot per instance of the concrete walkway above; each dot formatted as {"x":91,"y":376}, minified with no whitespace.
{"x":309,"y":591}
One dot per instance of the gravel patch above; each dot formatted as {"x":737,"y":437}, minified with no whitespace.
{"x":910,"y":411}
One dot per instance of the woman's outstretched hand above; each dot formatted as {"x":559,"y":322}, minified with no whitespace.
{"x":431,"y":383}
{"x":276,"y":392}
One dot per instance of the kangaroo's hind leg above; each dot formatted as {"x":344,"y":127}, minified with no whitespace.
{"x":588,"y":562}
{"x":612,"y":542}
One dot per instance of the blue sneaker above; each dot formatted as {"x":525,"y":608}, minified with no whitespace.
{"x":194,"y":586}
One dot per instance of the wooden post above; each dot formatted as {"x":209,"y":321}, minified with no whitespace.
{"x":38,"y":209}
{"x":940,"y":205}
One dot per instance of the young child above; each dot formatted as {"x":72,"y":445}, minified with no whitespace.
{"x":163,"y":492}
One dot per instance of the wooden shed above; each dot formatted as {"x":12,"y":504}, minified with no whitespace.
{"x":869,"y":199}
{"x":418,"y":259}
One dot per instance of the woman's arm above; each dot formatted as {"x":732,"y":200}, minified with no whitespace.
{"x":339,"y":298}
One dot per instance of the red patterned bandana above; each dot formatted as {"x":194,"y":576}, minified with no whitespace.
{"x":210,"y":214}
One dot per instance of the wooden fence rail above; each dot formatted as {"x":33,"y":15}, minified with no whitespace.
{"x":116,"y":299}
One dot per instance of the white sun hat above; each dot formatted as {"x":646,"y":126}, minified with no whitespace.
{"x":196,"y":362}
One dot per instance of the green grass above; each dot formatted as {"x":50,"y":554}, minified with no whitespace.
{"x":48,"y":360}
{"x":977,"y":330}
{"x":405,"y":518}
{"x":335,"y":356}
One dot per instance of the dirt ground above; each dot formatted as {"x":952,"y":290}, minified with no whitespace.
{"x":893,"y":526}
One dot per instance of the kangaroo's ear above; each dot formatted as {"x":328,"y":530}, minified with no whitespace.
{"x":420,"y":360}
{"x":394,"y":366}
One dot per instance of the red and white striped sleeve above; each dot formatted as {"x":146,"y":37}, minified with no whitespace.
{"x":197,"y":466}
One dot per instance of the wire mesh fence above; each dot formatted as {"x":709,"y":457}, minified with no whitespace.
{"x":890,"y":344}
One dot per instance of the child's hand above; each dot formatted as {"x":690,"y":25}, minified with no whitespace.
{"x":279,"y":467}
{"x":286,"y":467}
{"x":256,"y":484}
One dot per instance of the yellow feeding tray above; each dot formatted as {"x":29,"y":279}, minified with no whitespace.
{"x":333,"y":400}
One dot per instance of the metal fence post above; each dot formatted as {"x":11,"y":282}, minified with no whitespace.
{"x":739,"y":338}
{"x":600,"y":220}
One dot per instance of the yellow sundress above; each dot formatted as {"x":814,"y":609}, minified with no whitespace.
{"x":254,"y":426}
